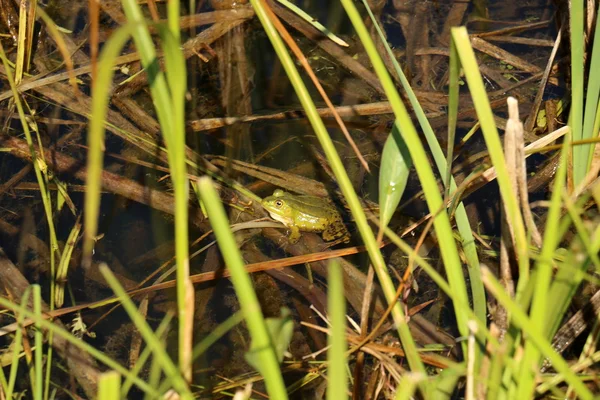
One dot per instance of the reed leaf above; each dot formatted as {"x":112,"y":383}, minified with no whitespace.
{"x":109,"y":385}
{"x":580,"y":153}
{"x":95,"y":160}
{"x":261,"y":339}
{"x":393,"y":175}
{"x":337,"y":387}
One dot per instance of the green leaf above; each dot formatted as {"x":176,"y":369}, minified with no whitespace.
{"x":302,"y":14}
{"x":281,"y":330}
{"x":337,"y":378}
{"x":393,"y":174}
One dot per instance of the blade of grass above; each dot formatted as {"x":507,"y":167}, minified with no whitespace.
{"x":542,"y":277}
{"x":173,"y":374}
{"x":592,"y":94}
{"x":523,"y":322}
{"x":21,"y":43}
{"x":168,"y":96}
{"x":53,"y":328}
{"x":337,"y":381}
{"x":244,"y":290}
{"x":175,"y":70}
{"x":95,"y":159}
{"x":45,"y":194}
{"x":38,"y":387}
{"x":63,"y":265}
{"x":580,"y":153}
{"x":109,"y":385}
{"x":16,"y":348}
{"x":492,"y":140}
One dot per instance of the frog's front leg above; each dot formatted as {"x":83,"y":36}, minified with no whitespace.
{"x":294,"y":234}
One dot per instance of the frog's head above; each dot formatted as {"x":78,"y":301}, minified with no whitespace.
{"x":278,"y":207}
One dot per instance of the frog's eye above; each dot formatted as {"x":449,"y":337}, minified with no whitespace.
{"x":278,"y":203}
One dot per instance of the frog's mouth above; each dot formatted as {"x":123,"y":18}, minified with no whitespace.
{"x":280,"y":218}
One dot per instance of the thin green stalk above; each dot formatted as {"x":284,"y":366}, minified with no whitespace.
{"x":543,"y":276}
{"x":492,"y":140}
{"x":592,"y":94}
{"x":68,"y":336}
{"x":521,"y":320}
{"x":344,"y":184}
{"x":16,"y":348}
{"x":337,"y":386}
{"x":173,"y":374}
{"x":95,"y":156}
{"x":249,"y":304}
{"x":168,"y":96}
{"x":175,"y":66}
{"x":39,"y":344}
{"x":145,"y":355}
{"x":580,"y":153}
{"x":44,"y":193}
{"x":109,"y":384}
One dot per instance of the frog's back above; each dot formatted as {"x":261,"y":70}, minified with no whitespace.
{"x":313,"y":213}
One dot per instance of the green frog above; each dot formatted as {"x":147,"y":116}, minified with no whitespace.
{"x":306,"y":213}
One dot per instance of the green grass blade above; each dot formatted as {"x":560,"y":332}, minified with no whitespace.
{"x":98,"y":355}
{"x":494,"y":146}
{"x":168,"y":96}
{"x":175,"y":138}
{"x":148,"y":56}
{"x":95,"y":160}
{"x":592,"y":94}
{"x":63,"y":265}
{"x":521,"y":320}
{"x":542,"y":277}
{"x":109,"y":384}
{"x":152,"y":341}
{"x":38,"y":387}
{"x":462,"y":222}
{"x":580,"y":153}
{"x":337,"y":381}
{"x":563,"y":287}
{"x":244,"y":289}
{"x":16,"y":348}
